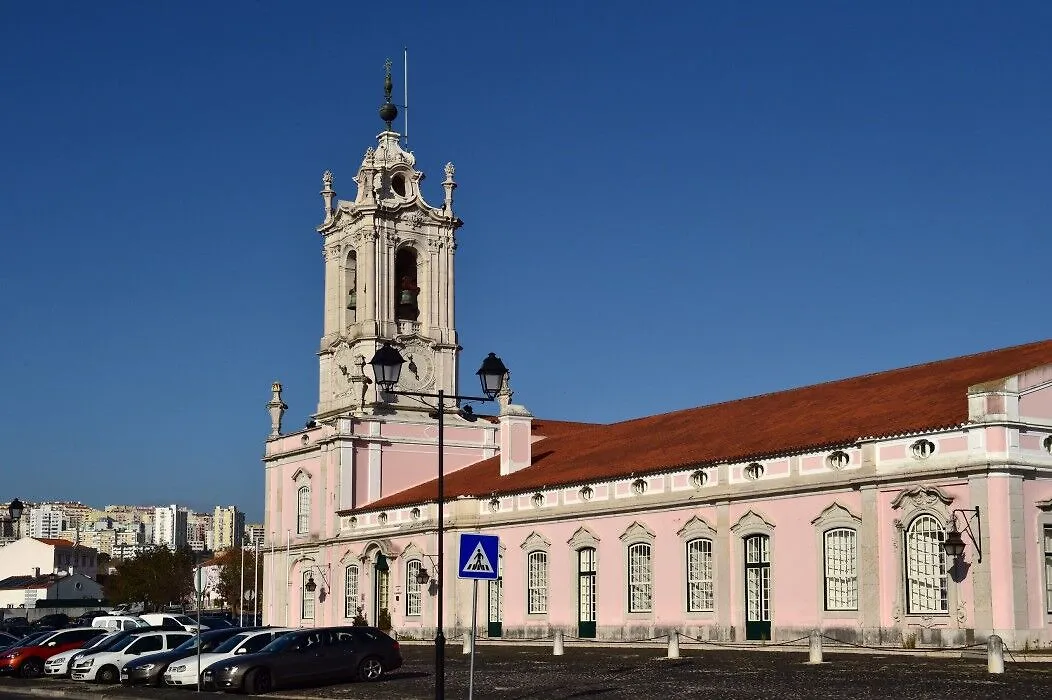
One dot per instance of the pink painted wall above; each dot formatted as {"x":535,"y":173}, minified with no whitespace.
{"x":1037,"y":404}
{"x":1000,"y":554}
{"x":1034,"y":492}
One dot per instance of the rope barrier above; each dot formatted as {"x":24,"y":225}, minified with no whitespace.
{"x":900,"y":648}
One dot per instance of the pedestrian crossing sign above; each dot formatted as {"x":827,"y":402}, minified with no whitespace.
{"x":478,"y":556}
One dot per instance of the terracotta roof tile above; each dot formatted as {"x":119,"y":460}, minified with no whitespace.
{"x":921,"y":397}
{"x":54,"y":542}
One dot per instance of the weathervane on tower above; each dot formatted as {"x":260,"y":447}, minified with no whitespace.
{"x":388,"y":111}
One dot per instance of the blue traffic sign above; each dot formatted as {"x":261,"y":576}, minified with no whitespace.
{"x":478,"y":556}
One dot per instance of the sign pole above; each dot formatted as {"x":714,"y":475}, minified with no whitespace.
{"x":199,"y":584}
{"x":474,"y":617}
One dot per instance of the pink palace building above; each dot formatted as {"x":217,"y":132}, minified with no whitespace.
{"x":829,"y":506}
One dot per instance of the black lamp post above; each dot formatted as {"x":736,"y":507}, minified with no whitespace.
{"x":15,"y":510}
{"x":387,"y":366}
{"x":953,"y":544}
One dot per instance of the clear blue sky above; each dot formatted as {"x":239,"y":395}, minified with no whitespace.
{"x":666,"y":205}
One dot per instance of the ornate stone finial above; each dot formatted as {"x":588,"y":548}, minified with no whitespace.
{"x":327,"y":193}
{"x":277,"y":409}
{"x":449,"y":185}
{"x":450,"y":170}
{"x":388,"y":112}
{"x":505,"y":393}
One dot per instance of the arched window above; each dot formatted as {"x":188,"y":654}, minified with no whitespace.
{"x":841,"y":569}
{"x":926,"y":586}
{"x":699,"y":575}
{"x":350,"y":285}
{"x":303,"y":510}
{"x":412,"y":588}
{"x":537,"y":582}
{"x":307,"y":604}
{"x":406,"y":287}
{"x":640,"y":575}
{"x":350,"y":591}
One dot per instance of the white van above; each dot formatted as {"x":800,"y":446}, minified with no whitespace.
{"x":105,"y":666}
{"x":116,"y":623}
{"x":172,"y":621}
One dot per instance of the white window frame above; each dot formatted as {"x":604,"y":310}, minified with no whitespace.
{"x":351,"y":574}
{"x":1046,"y":538}
{"x":537,"y":582}
{"x":701,"y":583}
{"x":925,"y":566}
{"x":840,"y":569}
{"x":640,"y":570}
{"x":413,"y":599}
{"x":306,"y":598}
{"x":303,"y":509}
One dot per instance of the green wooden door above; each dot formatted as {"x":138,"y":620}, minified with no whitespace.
{"x":758,"y":587}
{"x":586,"y":602}
{"x":496,"y":608}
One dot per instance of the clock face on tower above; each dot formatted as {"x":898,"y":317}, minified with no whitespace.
{"x":419,"y":368}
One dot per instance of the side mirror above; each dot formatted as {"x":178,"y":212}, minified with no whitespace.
{"x":242,"y":650}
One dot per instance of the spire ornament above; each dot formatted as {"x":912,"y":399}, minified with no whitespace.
{"x":388,"y":112}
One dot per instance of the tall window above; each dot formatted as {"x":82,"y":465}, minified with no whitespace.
{"x":926,"y":588}
{"x":639,"y":578}
{"x":307,"y":606}
{"x":841,"y":569}
{"x":699,"y":575}
{"x":412,"y":588}
{"x":537,"y":582}
{"x":1048,"y":568}
{"x":303,"y":510}
{"x":350,"y":590}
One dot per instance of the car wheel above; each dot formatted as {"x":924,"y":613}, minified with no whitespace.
{"x":370,"y":669}
{"x":31,"y":668}
{"x":107,"y":674}
{"x":258,"y":682}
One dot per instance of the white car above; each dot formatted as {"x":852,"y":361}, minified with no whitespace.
{"x":172,"y":621}
{"x":184,"y":672}
{"x":105,"y":666}
{"x":58,"y":665}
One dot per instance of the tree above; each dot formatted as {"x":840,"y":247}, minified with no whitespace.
{"x":156,"y":577}
{"x":230,"y":578}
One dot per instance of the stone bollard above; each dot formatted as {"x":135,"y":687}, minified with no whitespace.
{"x":468,"y":642}
{"x":673,"y":645}
{"x":557,"y":647}
{"x":815,"y":648}
{"x":995,"y":654}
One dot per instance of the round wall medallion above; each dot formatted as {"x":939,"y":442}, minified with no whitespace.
{"x":586,"y":493}
{"x":415,"y":514}
{"x":699,"y":479}
{"x":537,"y":500}
{"x":382,"y":518}
{"x":353,"y":522}
{"x":1048,"y":444}
{"x":754,"y":471}
{"x":639,"y":487}
{"x":838,"y":460}
{"x":922,"y":449}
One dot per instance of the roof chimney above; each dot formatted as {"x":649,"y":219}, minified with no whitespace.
{"x":515,"y":435}
{"x":36,"y":572}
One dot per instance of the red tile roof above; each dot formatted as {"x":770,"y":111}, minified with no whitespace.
{"x":54,"y":543}
{"x":923,"y":397}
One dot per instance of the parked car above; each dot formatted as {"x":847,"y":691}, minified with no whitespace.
{"x":149,"y":670}
{"x":214,"y":623}
{"x":28,"y":660}
{"x":84,"y":619}
{"x":105,"y":666}
{"x":330,"y":654}
{"x":8,"y":640}
{"x":58,"y":665}
{"x":119,"y":622}
{"x":244,"y":642}
{"x":172,"y":621}
{"x":54,"y":621}
{"x":110,"y":640}
{"x":18,"y":626}
{"x":127,"y":609}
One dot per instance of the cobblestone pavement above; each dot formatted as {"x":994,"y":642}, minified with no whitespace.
{"x":521,"y":673}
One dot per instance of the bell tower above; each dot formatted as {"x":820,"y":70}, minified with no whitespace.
{"x":388,"y":278}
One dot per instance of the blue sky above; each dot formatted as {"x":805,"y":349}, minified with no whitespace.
{"x":666,"y":205}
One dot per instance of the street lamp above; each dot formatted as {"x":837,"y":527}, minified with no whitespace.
{"x":953,"y":544}
{"x":387,"y":366}
{"x":15,"y":510}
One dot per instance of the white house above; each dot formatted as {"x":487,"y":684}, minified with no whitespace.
{"x":27,"y":591}
{"x":33,"y":556}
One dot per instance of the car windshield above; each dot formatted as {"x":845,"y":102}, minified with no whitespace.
{"x":34,"y":639}
{"x":231,"y":643}
{"x":183,"y":620}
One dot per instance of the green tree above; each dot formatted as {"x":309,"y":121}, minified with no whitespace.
{"x":230,"y":578}
{"x":156,"y":577}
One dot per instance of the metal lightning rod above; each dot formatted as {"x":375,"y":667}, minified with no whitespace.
{"x":405,"y":93}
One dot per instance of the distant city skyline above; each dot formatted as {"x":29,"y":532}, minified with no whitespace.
{"x":770,"y":194}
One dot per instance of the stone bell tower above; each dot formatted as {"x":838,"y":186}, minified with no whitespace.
{"x":388,"y":278}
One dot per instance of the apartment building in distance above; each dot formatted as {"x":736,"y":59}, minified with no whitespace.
{"x":228,"y":527}
{"x":170,"y":526}
{"x":46,"y":521}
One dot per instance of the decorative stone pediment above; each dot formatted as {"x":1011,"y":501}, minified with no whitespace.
{"x":349,"y":557}
{"x":583,"y":537}
{"x":637,"y":531}
{"x":751,"y":521}
{"x":922,"y":497}
{"x":696,"y":527}
{"x":535,"y":541}
{"x":1044,"y":505}
{"x":302,"y":475}
{"x":836,"y":514}
{"x":411,"y":551}
{"x":382,"y":545}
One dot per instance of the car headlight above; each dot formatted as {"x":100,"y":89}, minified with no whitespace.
{"x":145,"y":667}
{"x":228,"y":669}
{"x":87,"y":663}
{"x":177,"y":669}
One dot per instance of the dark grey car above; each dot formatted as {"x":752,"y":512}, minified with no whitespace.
{"x":309,"y":657}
